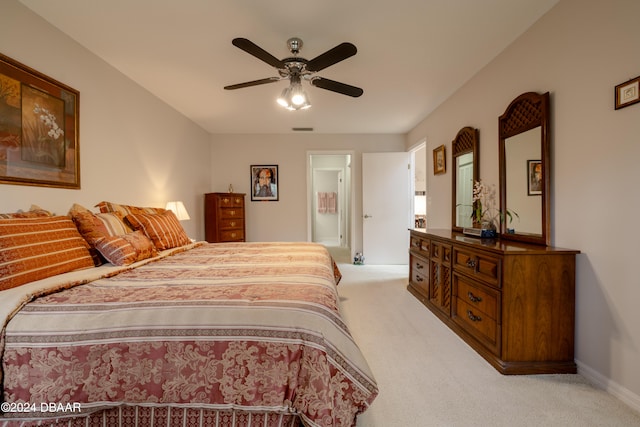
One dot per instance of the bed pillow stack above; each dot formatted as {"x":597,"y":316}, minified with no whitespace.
{"x":161,"y":226}
{"x":108,"y":234}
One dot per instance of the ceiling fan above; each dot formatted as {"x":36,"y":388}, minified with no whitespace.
{"x":296,"y":69}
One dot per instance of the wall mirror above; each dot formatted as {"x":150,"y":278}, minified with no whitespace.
{"x":465,"y":171}
{"x":524,"y":161}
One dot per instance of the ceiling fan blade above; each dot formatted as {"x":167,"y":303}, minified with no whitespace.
{"x":334,"y":86}
{"x":253,"y":83}
{"x":255,"y":50}
{"x":332,"y":56}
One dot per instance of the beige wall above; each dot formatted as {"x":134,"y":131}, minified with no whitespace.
{"x":578,"y":52}
{"x":133,"y":147}
{"x":287,"y":219}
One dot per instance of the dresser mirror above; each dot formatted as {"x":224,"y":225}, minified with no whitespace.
{"x":525,"y":177}
{"x":465,"y":163}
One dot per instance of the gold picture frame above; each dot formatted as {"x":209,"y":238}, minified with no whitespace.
{"x":39,"y":128}
{"x":439,"y":160}
{"x":627,"y":93}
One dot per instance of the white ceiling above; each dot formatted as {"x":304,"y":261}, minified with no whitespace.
{"x":412,"y":54}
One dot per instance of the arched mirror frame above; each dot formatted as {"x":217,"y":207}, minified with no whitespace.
{"x":466,"y":141}
{"x":526,"y":112}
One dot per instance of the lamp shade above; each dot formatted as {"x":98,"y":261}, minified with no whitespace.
{"x":178,"y":209}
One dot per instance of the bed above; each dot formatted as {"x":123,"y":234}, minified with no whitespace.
{"x":229,"y":334}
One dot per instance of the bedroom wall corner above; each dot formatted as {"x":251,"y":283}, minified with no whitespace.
{"x":134,"y":148}
{"x":579,"y":51}
{"x":286,"y":219}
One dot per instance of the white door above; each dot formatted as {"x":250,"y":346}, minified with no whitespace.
{"x":385,"y":208}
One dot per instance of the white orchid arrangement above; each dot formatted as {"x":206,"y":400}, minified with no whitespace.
{"x":49,"y":120}
{"x":484,"y":205}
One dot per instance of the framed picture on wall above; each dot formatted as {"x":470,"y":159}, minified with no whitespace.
{"x":534,"y":174}
{"x":439,"y":161}
{"x":39,"y":137}
{"x":628,"y":93}
{"x":264,"y":183}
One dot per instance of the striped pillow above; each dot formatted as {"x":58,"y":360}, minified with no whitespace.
{"x":163,"y":229}
{"x":34,"y":212}
{"x":125,"y":210}
{"x":97,"y":226}
{"x":36,"y":248}
{"x":126,"y":249}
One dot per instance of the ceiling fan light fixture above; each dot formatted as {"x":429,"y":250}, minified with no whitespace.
{"x":294,"y":98}
{"x":284,"y":97}
{"x":298,"y":95}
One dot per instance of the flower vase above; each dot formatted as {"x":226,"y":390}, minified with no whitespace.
{"x":488,"y":230}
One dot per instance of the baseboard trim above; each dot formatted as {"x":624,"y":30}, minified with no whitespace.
{"x":622,"y":393}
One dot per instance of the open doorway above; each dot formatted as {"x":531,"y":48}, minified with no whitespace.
{"x":419,"y":184}
{"x":329,"y":202}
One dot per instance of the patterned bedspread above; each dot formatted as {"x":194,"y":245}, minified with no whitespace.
{"x":250,"y":327}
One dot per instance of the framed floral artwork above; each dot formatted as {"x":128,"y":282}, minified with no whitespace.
{"x":627,"y":93}
{"x":439,"y":161}
{"x":264,"y":183}
{"x":39,"y":128}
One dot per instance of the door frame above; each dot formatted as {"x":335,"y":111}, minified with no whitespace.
{"x":349,"y":198}
{"x":422,"y":144}
{"x":341,"y":237}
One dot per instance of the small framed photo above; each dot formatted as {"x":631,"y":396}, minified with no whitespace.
{"x":439,"y":161}
{"x":628,"y":93}
{"x":264,"y":183}
{"x":534,"y":177}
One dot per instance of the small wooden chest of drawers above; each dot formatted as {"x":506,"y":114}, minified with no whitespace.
{"x":224,"y":217}
{"x":513,"y":303}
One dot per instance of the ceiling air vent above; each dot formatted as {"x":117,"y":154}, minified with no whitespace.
{"x":302,"y":129}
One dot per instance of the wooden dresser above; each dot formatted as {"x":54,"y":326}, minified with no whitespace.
{"x":513,"y":303}
{"x":224,"y":217}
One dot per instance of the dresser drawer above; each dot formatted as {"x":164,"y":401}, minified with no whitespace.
{"x":230,"y":224}
{"x":479,"y":297}
{"x":420,"y":245}
{"x":231,"y":213}
{"x":477,"y":265}
{"x":478,"y":324}
{"x":231,"y":235}
{"x":419,"y":274}
{"x":231,"y":201}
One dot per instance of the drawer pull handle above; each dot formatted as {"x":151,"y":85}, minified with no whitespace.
{"x":419,"y":279}
{"x":473,"y":298}
{"x":471,"y":263}
{"x":419,"y":266}
{"x":473,"y":317}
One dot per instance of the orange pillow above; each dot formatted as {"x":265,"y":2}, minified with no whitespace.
{"x":163,"y":229}
{"x":126,"y":249}
{"x":34,"y":212}
{"x":39,"y":247}
{"x":96,"y":226}
{"x":126,"y":209}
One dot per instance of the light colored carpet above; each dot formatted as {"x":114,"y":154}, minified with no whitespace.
{"x":428,"y":376}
